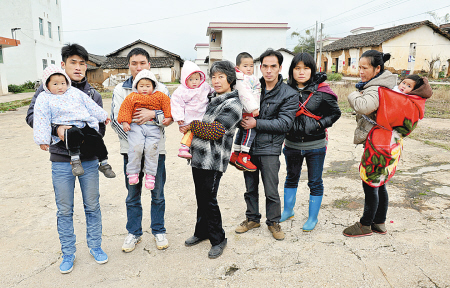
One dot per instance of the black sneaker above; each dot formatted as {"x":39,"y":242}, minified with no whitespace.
{"x":194,"y":240}
{"x":107,"y":170}
{"x":77,"y":169}
{"x":217,"y":250}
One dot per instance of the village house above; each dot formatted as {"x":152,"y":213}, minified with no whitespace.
{"x":38,"y":27}
{"x":164,"y":64}
{"x":202,"y":54}
{"x":5,"y":43}
{"x":94,"y":73}
{"x":413,"y":47}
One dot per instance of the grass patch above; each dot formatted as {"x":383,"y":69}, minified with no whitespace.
{"x":13,"y":105}
{"x":106,"y":95}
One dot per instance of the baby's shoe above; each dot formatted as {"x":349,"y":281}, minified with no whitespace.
{"x":233,"y":158}
{"x":149,"y":182}
{"x":184,"y":153}
{"x":243,"y":162}
{"x":107,"y":170}
{"x":77,"y":169}
{"x":133,"y":179}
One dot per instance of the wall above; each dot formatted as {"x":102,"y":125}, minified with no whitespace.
{"x":95,"y":76}
{"x":24,"y":62}
{"x":429,"y":45}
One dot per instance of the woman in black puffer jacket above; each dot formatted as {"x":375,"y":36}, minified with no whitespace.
{"x":318,"y":110}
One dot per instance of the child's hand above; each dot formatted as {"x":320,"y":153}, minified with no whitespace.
{"x":44,"y":147}
{"x":255,"y":113}
{"x":180,"y":123}
{"x":107,"y":121}
{"x":167,"y":121}
{"x":126,"y":126}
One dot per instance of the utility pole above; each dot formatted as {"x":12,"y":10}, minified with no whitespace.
{"x":321,"y":44}
{"x":315,"y":45}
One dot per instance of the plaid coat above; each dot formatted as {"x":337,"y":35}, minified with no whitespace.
{"x":215,"y":154}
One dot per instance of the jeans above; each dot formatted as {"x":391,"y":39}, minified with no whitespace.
{"x":209,"y":219}
{"x":64,"y":185}
{"x":375,"y":205}
{"x":314,"y":161}
{"x":268,"y":166}
{"x":133,"y":201}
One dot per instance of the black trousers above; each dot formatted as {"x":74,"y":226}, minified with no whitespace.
{"x":209,"y":219}
{"x":375,"y":205}
{"x":86,"y":141}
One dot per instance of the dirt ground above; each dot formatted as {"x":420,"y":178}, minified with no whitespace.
{"x":414,"y":253}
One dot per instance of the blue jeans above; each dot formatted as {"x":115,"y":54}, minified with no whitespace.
{"x":133,"y":201}
{"x":64,"y":185}
{"x":314,"y":161}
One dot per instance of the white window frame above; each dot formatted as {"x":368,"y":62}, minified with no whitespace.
{"x":49,"y":29}
{"x":41,"y":26}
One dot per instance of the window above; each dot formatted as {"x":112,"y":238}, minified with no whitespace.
{"x":349,"y":61}
{"x":44,"y":64}
{"x":49,"y":29}
{"x":1,"y":55}
{"x":59,"y":33}
{"x":41,"y":26}
{"x":53,"y":62}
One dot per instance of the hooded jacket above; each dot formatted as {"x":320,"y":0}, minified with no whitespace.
{"x":189,"y":104}
{"x":249,"y":90}
{"x":156,"y":101}
{"x":58,"y":152}
{"x":322,"y":103}
{"x":366,"y":102}
{"x":277,"y":112}
{"x":73,"y":108}
{"x":424,"y":90}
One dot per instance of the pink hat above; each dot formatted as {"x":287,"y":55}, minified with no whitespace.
{"x":49,"y":71}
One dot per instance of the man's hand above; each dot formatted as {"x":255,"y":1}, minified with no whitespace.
{"x":44,"y":147}
{"x":255,"y":113}
{"x":167,"y":121}
{"x":143,"y":115}
{"x":248,"y":123}
{"x":126,"y":126}
{"x":61,"y":130}
{"x":107,"y":121}
{"x":184,"y":129}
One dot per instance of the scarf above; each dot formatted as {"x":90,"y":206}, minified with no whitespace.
{"x":360,"y":85}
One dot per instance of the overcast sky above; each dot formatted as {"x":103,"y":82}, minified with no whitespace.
{"x":83,"y":20}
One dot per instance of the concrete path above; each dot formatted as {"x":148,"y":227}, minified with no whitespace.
{"x":414,"y":253}
{"x":14,"y":97}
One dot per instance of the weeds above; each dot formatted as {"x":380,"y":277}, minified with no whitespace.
{"x":13,"y":105}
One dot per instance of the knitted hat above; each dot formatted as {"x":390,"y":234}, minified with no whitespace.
{"x":49,"y":71}
{"x":147,"y":74}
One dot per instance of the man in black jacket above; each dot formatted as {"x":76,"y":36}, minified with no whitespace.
{"x":279,"y":103}
{"x":74,"y":63}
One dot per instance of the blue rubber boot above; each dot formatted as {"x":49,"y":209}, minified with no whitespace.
{"x":314,"y":207}
{"x":289,"y":203}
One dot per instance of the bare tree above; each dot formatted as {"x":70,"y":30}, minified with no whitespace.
{"x":438,"y":20}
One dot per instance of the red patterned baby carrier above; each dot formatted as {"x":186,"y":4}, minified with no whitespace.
{"x":397,"y":116}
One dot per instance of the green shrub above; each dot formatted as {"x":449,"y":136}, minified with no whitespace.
{"x":334,"y":76}
{"x":15,"y":88}
{"x":28,"y":85}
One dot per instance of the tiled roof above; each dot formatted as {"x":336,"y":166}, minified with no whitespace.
{"x":376,"y":38}
{"x":139,"y":41}
{"x":90,"y":67}
{"x":97,"y":59}
{"x":122,"y":63}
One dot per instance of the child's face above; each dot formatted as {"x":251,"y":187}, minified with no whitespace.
{"x":246,"y":66}
{"x":57,"y":84}
{"x":145,"y":86}
{"x":194,"y":81}
{"x":407,"y":86}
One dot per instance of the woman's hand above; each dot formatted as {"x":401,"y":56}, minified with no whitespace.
{"x":184,"y":129}
{"x":126,"y":126}
{"x":44,"y":147}
{"x":143,"y":115}
{"x":180,"y":123}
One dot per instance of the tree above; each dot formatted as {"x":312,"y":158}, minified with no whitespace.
{"x":305,"y":43}
{"x":438,"y":20}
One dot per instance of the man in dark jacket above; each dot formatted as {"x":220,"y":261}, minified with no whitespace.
{"x":74,"y":61}
{"x":279,"y":103}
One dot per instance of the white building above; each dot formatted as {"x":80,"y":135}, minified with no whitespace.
{"x":228,"y":39}
{"x":40,"y":35}
{"x":5,"y":43}
{"x":202,"y":54}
